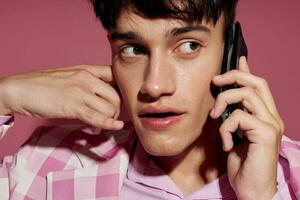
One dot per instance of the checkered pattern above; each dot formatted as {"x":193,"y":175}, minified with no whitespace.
{"x":63,"y":163}
{"x":290,"y":150}
{"x":67,"y":163}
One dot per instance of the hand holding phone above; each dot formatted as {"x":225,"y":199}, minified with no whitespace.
{"x":234,"y":48}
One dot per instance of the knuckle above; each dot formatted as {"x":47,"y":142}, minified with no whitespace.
{"x":221,"y":96}
{"x":274,"y":130}
{"x":74,"y":91}
{"x":222,"y":129}
{"x":81,"y":74}
{"x":282,"y":125}
{"x":270,"y":135}
{"x":234,"y":71}
{"x":249,"y":91}
{"x":66,"y":109}
{"x":81,"y":66}
{"x":106,"y":67}
{"x":104,"y":122}
{"x":271,"y":129}
{"x":86,"y":115}
{"x":118,"y":100}
{"x":263,"y":82}
{"x":277,"y":128}
{"x":236,"y":113}
{"x":111,"y":110}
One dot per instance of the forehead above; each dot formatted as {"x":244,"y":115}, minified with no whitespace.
{"x":130,"y":22}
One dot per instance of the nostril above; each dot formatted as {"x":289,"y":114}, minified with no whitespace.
{"x":151,"y":90}
{"x":146,"y":98}
{"x":157,"y":84}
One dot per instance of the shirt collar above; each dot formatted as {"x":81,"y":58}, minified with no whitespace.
{"x":143,"y":170}
{"x":105,"y":144}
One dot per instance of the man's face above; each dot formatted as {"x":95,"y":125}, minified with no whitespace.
{"x":164,"y":69}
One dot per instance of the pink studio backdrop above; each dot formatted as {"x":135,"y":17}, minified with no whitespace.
{"x":38,"y":34}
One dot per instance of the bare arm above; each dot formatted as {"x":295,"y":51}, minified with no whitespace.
{"x":81,"y":92}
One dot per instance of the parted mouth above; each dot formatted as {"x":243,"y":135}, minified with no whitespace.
{"x":158,"y":115}
{"x":159,"y":112}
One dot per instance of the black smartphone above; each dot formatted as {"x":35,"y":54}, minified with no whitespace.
{"x":234,"y":48}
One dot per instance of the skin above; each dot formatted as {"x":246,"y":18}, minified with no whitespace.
{"x":81,"y":92}
{"x":174,"y":70}
{"x":169,"y":76}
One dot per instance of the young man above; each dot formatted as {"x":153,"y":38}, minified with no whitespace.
{"x":166,"y":56}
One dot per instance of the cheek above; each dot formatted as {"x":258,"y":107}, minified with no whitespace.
{"x":197,"y":80}
{"x":128,"y":82}
{"x":196,"y":87}
{"x":199,"y":97}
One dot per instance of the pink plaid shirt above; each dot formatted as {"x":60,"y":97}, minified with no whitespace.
{"x":71,"y":163}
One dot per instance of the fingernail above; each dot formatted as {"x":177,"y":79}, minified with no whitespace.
{"x":212,"y":112}
{"x":243,"y":58}
{"x":224,"y":147}
{"x":118,"y":124}
{"x":111,"y":112}
{"x":218,"y":77}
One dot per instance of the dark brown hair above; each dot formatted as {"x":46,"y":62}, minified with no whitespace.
{"x":108,"y":11}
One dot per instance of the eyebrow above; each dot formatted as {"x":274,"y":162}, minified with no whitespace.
{"x":130,"y":35}
{"x":189,"y":28}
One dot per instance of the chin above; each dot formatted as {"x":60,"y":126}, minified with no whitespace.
{"x":170,"y":141}
{"x":162,"y":146}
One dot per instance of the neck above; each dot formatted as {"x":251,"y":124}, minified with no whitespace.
{"x":201,"y":163}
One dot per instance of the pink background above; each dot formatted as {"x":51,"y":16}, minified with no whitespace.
{"x":37,"y":34}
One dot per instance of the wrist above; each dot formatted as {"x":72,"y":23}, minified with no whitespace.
{"x":4,"y":110}
{"x":266,"y":195}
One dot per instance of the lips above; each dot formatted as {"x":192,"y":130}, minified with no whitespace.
{"x":159,"y":118}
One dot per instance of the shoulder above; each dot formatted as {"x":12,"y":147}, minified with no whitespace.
{"x":72,"y":146}
{"x":290,"y":150}
{"x":65,"y":155}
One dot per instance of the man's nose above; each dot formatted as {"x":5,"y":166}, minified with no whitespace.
{"x":159,"y":78}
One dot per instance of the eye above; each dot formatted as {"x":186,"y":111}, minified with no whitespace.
{"x":188,"y":47}
{"x":132,"y":50}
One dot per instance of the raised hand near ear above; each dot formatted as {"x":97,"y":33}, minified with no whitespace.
{"x":83,"y":92}
{"x":251,"y":166}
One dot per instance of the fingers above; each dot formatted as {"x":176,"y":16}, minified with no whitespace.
{"x":244,"y":78}
{"x":98,"y":102}
{"x":252,"y":129}
{"x":243,"y":66}
{"x":249,"y":99}
{"x":100,"y":90}
{"x":99,"y":105}
{"x":260,"y":121}
{"x":97,"y":119}
{"x":106,"y":92}
{"x":103,"y":72}
{"x":100,"y":97}
{"x":80,"y":92}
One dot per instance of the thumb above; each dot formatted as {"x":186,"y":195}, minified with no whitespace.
{"x":243,"y":65}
